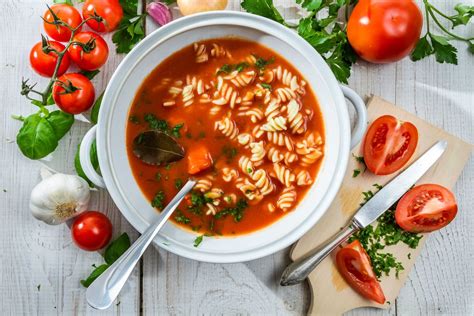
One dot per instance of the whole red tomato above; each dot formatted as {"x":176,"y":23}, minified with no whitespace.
{"x":44,"y":64}
{"x":383,"y":31}
{"x":66,"y":13}
{"x":109,"y":10}
{"x":91,"y":231}
{"x":73,"y":93}
{"x":94,"y":55}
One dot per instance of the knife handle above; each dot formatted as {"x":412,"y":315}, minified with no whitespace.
{"x":299,"y":270}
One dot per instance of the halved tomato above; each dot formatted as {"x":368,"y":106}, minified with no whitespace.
{"x":426,"y":208}
{"x":389,"y":144}
{"x":353,"y":263}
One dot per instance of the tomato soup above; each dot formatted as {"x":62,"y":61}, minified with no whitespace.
{"x":250,"y":130}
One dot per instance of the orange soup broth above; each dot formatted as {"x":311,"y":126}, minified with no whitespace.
{"x":199,"y":127}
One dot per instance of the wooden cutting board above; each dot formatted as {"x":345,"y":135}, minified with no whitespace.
{"x":331,"y":295}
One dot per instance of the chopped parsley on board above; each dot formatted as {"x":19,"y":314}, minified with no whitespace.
{"x":374,"y":238}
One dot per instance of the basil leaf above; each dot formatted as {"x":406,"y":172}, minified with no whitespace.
{"x":96,"y":108}
{"x":61,"y":122}
{"x":94,"y":275}
{"x":36,"y":138}
{"x":90,"y":74}
{"x":117,"y":248}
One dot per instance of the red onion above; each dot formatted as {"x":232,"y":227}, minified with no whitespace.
{"x":159,"y":12}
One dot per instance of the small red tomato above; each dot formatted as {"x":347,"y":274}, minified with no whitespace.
{"x":66,"y":13}
{"x":91,"y":231}
{"x":383,"y":31}
{"x":109,"y":10}
{"x":93,"y":55}
{"x":389,"y":144}
{"x":73,"y":93}
{"x":426,"y":208}
{"x":44,"y":64}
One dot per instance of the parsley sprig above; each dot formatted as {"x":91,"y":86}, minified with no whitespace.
{"x":439,"y":45}
{"x":131,"y":29}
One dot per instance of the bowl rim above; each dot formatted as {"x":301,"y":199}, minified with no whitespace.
{"x":279,"y":31}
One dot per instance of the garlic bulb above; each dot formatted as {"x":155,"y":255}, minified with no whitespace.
{"x":159,"y":12}
{"x":59,"y":197}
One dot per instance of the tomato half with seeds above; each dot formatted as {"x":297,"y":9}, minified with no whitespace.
{"x":426,"y":208}
{"x":93,"y":54}
{"x":73,"y":93}
{"x":389,"y":144}
{"x":66,"y":13}
{"x":109,"y":10}
{"x":44,"y":63}
{"x":354,"y":264}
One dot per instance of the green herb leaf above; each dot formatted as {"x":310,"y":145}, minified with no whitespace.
{"x":156,"y":123}
{"x":229,"y":152}
{"x":61,"y":122}
{"x":129,"y":33}
{"x":37,"y":137}
{"x":263,"y":8}
{"x":226,"y":69}
{"x":262,"y":63}
{"x":198,"y":240}
{"x":422,"y":49}
{"x":237,"y":212}
{"x":90,"y":74}
{"x":266,"y":86}
{"x":175,"y":131}
{"x":180,"y":218}
{"x":158,"y":200}
{"x":444,"y":52}
{"x":94,"y":275}
{"x":465,"y":13}
{"x":355,"y":173}
{"x":310,"y":5}
{"x":96,"y":108}
{"x":117,"y":248}
{"x":178,"y":183}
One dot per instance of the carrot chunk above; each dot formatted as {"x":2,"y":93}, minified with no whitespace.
{"x":199,"y":159}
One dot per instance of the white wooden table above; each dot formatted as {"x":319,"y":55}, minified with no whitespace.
{"x":40,"y":267}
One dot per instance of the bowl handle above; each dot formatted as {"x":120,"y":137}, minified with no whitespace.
{"x":85,"y":158}
{"x":361,"y":110}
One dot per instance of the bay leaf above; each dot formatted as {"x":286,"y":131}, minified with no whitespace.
{"x":155,"y":148}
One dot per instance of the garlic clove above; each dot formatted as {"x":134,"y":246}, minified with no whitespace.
{"x":58,"y":198}
{"x":160,"y":12}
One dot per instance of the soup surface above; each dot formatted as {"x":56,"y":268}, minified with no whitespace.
{"x":250,"y":129}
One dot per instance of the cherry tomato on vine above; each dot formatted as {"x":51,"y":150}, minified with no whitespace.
{"x":95,"y":53}
{"x":354,"y":264}
{"x":44,"y":64}
{"x":383,"y":31}
{"x":73,"y":93}
{"x":426,"y":208}
{"x":91,"y":231}
{"x":109,"y":10}
{"x":65,"y":13}
{"x":389,"y":144}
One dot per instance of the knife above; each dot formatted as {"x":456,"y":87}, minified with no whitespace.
{"x":297,"y":271}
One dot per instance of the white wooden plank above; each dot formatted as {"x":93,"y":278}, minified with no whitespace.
{"x":40,"y":267}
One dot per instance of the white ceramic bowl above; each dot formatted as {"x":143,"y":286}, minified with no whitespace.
{"x":110,"y":134}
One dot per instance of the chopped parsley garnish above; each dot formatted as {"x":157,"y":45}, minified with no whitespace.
{"x":237,"y":211}
{"x":158,"y":200}
{"x":168,"y":166}
{"x":202,"y":134}
{"x":249,"y":170}
{"x":178,"y":183}
{"x":230,"y":152}
{"x":158,"y":176}
{"x":226,"y":68}
{"x":175,"y":130}
{"x":156,"y":123}
{"x":198,"y":201}
{"x":134,"y":119}
{"x":267,"y":86}
{"x":360,"y":160}
{"x":198,"y":240}
{"x":261,"y":63}
{"x":374,"y":239}
{"x":181,"y":218}
{"x":189,"y":135}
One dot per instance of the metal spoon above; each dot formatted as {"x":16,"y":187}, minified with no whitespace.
{"x":105,"y":289}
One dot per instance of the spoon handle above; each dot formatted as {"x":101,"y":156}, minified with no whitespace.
{"x":105,"y":289}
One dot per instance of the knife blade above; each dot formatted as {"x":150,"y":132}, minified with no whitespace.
{"x":395,"y":189}
{"x":299,"y":270}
